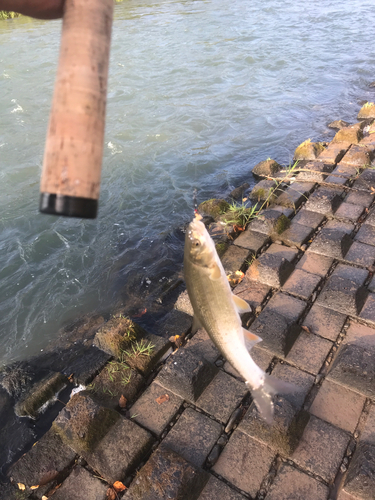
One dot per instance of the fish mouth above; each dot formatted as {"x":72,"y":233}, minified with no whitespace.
{"x":196,"y":230}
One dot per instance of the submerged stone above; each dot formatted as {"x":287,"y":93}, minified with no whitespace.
{"x":213,"y":207}
{"x":266,"y":168}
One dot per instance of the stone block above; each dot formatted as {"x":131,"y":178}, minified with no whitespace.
{"x":234,"y":259}
{"x":292,"y":484}
{"x":193,"y":436}
{"x":222,"y":396}
{"x":301,"y":284}
{"x":12,"y":492}
{"x":265,"y":190}
{"x":114,"y":381}
{"x":167,"y":475}
{"x":183,"y":304}
{"x":83,"y":423}
{"x":324,"y":201}
{"x":278,"y":333}
{"x":355,"y":274}
{"x":218,"y":490}
{"x":174,"y":323}
{"x":343,"y":295}
{"x":145,"y":360}
{"x":120,"y":451}
{"x":213,"y":207}
{"x":367,"y":111}
{"x":283,"y":251}
{"x":365,"y":181}
{"x":360,"y":198}
{"x":244,"y":462}
{"x":302,"y":380}
{"x":359,"y":156}
{"x":366,"y":234}
{"x":270,"y":269}
{"x":270,"y":222}
{"x":360,"y":480}
{"x":41,"y":393}
{"x":324,"y":322}
{"x":348,"y":134}
{"x":289,"y":307}
{"x":334,"y":152}
{"x":340,"y":225}
{"x":370,"y":219}
{"x":117,"y":335}
{"x":338,"y":405}
{"x":321,"y":449}
{"x":354,"y":365}
{"x":314,"y":263}
{"x":338,"y":124}
{"x":296,"y":235}
{"x":308,"y":218}
{"x":371,"y":285}
{"x":368,"y":432}
{"x":156,"y":408}
{"x":81,"y":485}
{"x":361,"y":254}
{"x":314,"y":172}
{"x":295,"y":194}
{"x":202,"y":346}
{"x":44,"y":463}
{"x":349,"y":211}
{"x":308,"y":150}
{"x":267,"y":168}
{"x":331,"y":242}
{"x":252,"y":291}
{"x":84,"y":368}
{"x":186,"y":375}
{"x":288,"y":212}
{"x":286,"y":429}
{"x":368,"y":311}
{"x":252,"y":240}
{"x":309,"y":352}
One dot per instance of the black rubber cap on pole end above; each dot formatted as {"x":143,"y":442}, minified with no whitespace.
{"x":70,"y":206}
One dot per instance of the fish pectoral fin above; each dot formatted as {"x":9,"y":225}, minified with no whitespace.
{"x":250,"y":339}
{"x":241,"y":305}
{"x":196,"y":325}
{"x":215,"y":272}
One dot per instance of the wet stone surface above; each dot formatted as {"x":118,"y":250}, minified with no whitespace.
{"x":193,"y":436}
{"x":81,"y":485}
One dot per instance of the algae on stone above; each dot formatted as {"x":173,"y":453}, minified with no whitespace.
{"x":367,"y":111}
{"x":117,"y":335}
{"x":267,"y":168}
{"x":349,"y":134}
{"x":214,"y":207}
{"x":308,"y":150}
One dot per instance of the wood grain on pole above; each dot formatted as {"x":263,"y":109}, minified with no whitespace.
{"x":73,"y":154}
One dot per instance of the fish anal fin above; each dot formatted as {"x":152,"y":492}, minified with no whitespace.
{"x":215,"y":272}
{"x":250,"y":339}
{"x":241,"y":305}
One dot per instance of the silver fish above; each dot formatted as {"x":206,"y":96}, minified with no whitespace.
{"x":217,"y":310}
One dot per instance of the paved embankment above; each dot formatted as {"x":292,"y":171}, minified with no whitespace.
{"x":192,"y":432}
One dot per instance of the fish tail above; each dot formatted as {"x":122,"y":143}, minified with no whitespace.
{"x":262,"y":396}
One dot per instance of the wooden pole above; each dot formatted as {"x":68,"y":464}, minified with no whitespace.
{"x":73,"y":154}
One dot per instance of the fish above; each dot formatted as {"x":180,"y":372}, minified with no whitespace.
{"x":218,"y":310}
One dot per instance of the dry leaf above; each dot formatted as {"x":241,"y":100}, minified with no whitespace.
{"x":48,"y":477}
{"x":305,"y":328}
{"x":111,"y":494}
{"x":372,"y":190}
{"x":21,"y":486}
{"x":244,"y":199}
{"x":70,"y":378}
{"x":119,"y":486}
{"x":34,"y":487}
{"x":44,"y":497}
{"x":122,"y":401}
{"x":162,"y":399}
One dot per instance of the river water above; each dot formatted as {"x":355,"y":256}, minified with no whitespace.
{"x":199,"y":92}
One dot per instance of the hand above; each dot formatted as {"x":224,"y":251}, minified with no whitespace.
{"x":41,"y":9}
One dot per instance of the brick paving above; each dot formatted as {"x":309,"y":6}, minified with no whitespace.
{"x":188,"y":428}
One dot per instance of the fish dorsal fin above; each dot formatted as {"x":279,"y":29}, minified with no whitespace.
{"x":196,"y":325}
{"x":215,"y":272}
{"x":241,"y":305}
{"x":250,"y":339}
